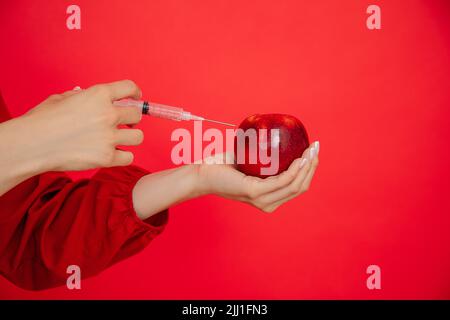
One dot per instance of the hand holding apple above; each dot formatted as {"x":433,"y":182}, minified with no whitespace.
{"x":265,"y":194}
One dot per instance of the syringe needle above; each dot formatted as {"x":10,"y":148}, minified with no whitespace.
{"x":220,"y":122}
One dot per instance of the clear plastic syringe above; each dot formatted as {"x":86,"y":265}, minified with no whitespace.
{"x":163,"y":111}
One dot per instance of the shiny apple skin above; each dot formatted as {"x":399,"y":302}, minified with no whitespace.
{"x":293,"y":141}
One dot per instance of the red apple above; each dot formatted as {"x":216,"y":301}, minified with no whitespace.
{"x":292,"y":140}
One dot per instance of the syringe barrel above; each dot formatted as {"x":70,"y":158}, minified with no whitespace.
{"x":163,"y":111}
{"x":157,"y":109}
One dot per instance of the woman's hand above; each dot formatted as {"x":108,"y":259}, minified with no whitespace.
{"x":266,"y":194}
{"x":76,"y":130}
{"x":158,"y":191}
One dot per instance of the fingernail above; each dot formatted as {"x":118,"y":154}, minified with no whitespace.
{"x":77,"y":88}
{"x":317,"y":147}
{"x":312,"y":153}
{"x":303,"y":162}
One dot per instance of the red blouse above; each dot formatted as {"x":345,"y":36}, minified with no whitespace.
{"x":49,"y":222}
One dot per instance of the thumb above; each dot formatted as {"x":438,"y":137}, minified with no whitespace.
{"x":221,"y":158}
{"x":69,"y":93}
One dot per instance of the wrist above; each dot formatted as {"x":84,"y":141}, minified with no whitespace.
{"x":202,"y":185}
{"x":158,"y":191}
{"x":17,"y":163}
{"x":26,"y":153}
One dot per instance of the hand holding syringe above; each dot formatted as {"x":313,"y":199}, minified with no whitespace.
{"x":163,"y":111}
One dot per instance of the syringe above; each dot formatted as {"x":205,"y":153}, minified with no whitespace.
{"x":163,"y":111}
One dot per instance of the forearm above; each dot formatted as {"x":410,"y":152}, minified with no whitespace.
{"x":156,"y":192}
{"x":20,"y":157}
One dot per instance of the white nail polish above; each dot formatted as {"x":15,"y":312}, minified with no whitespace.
{"x":303,"y":162}
{"x":312,"y":153}
{"x":317,"y":147}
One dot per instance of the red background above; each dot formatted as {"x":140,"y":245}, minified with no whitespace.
{"x":378,"y":101}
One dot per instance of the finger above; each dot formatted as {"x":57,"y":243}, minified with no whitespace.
{"x":123,"y":89}
{"x":122,"y":158}
{"x":128,"y":115}
{"x":275,"y":205}
{"x":307,"y":182}
{"x":298,"y":186}
{"x":315,"y":162}
{"x":271,"y":184}
{"x":307,"y":159}
{"x":129,"y":137}
{"x":70,"y":93}
{"x":221,"y":158}
{"x":307,"y":152}
{"x":283,"y":183}
{"x":289,"y":189}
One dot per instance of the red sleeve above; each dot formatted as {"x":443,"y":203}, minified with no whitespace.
{"x":4,"y":114}
{"x":49,"y":222}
